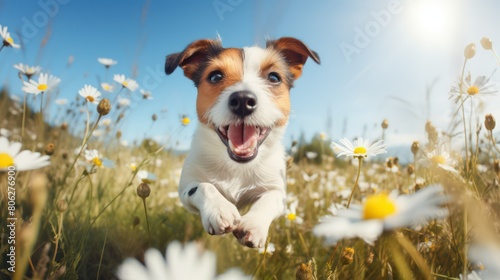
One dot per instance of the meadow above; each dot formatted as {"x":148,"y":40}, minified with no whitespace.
{"x":84,"y":201}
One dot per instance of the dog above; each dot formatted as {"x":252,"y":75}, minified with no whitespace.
{"x":236,"y":157}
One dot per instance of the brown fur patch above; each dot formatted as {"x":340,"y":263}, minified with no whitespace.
{"x":295,"y":52}
{"x":280,"y":93}
{"x":230,"y":63}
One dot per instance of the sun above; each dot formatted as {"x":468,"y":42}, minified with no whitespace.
{"x":433,"y":20}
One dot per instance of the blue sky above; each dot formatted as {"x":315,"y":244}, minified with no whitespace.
{"x":372,"y":53}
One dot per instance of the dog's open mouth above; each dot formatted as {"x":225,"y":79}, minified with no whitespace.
{"x":242,"y":141}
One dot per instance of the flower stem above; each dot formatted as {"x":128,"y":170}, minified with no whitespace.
{"x":57,"y":237}
{"x":465,"y":260}
{"x":85,"y":140}
{"x":463,"y":119}
{"x":24,"y":115}
{"x":147,"y":218}
{"x":360,"y":160}
{"x":102,"y":254}
{"x":88,"y":121}
{"x":42,"y":125}
{"x":496,"y":56}
{"x":493,"y":141}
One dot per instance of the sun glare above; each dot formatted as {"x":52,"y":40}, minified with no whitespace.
{"x":433,"y":19}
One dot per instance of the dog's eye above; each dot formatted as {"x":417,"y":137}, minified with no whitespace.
{"x":274,"y":78}
{"x":215,"y":77}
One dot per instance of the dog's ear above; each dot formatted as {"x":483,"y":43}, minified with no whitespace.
{"x":295,"y":53}
{"x":191,"y":57}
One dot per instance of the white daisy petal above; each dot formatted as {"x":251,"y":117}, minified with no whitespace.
{"x":132,"y":269}
{"x":382,"y":212}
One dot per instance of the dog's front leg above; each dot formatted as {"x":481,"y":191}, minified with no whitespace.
{"x":254,"y":225}
{"x":218,"y":215}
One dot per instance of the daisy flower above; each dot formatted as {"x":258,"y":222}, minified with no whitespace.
{"x":442,"y":160}
{"x":185,"y":120}
{"x":146,"y":94}
{"x":26,"y":70}
{"x":309,"y":178}
{"x":269,"y":249}
{"x":311,"y":155}
{"x":11,"y":155}
{"x":107,"y":62}
{"x":360,"y":148}
{"x":123,"y":102}
{"x":5,"y":132}
{"x":146,"y":177}
{"x":94,"y":158}
{"x":107,"y":87}
{"x":126,"y":83}
{"x":291,"y":213}
{"x":90,"y":93}
{"x":44,"y":84}
{"x":133,"y":166}
{"x":61,"y":101}
{"x":489,"y":256}
{"x":7,"y":40}
{"x":178,"y":265}
{"x":105,"y":122}
{"x":382,"y":212}
{"x":480,"y":87}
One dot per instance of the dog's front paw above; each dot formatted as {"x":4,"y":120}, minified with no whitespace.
{"x":220,"y":217}
{"x":250,"y":232}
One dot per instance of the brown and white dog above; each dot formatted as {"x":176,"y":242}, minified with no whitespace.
{"x":236,"y":157}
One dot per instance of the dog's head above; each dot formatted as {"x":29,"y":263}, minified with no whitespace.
{"x":243,"y":93}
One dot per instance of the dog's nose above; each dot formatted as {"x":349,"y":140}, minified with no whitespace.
{"x":242,"y":103}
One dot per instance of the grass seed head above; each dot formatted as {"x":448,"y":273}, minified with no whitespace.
{"x":143,"y":190}
{"x":385,"y":124}
{"x":347,"y":256}
{"x":104,"y":107}
{"x":49,"y":149}
{"x":410,"y":169}
{"x":470,"y":51}
{"x":415,"y":147}
{"x":489,"y":122}
{"x":62,"y":206}
{"x":369,"y":258}
{"x":136,"y":221}
{"x":305,"y":271}
{"x":486,"y":43}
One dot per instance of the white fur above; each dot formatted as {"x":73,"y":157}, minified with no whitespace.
{"x":223,"y":184}
{"x":266,"y":113}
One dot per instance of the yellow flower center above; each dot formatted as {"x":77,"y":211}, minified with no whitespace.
{"x":378,"y":206}
{"x":90,"y":98}
{"x":133,"y":167}
{"x":10,"y":40}
{"x":438,"y":159}
{"x":125,"y":84}
{"x":106,"y":87}
{"x":291,"y":216}
{"x":97,"y":162}
{"x":360,"y":151}
{"x":185,"y":121}
{"x":42,"y":87}
{"x":473,"y":90}
{"x":6,"y":160}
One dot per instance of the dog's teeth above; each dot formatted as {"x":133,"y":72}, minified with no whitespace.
{"x":231,"y":146}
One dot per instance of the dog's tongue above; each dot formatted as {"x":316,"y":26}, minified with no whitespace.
{"x":242,"y":139}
